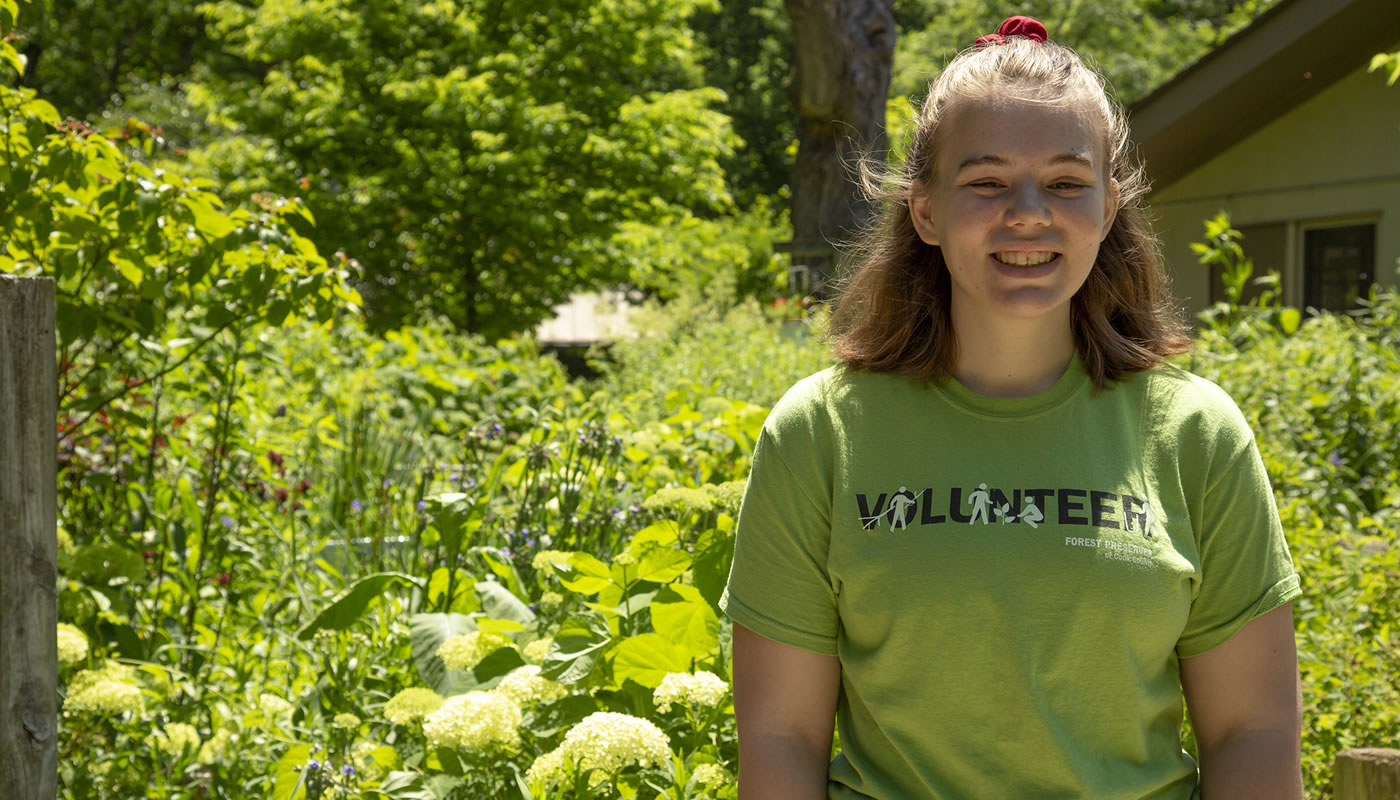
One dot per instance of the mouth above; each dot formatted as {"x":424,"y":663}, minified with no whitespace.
{"x":1026,"y":258}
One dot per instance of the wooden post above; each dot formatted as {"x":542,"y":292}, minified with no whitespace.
{"x":28,"y":540}
{"x":1366,"y":773}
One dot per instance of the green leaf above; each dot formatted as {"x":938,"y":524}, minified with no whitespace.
{"x":210,"y":221}
{"x":16,"y":60}
{"x":426,"y":633}
{"x":578,"y":645}
{"x":663,"y":564}
{"x":647,"y":658}
{"x":684,"y":617}
{"x":498,"y":603}
{"x":288,"y":782}
{"x":1289,"y":319}
{"x":351,"y":604}
{"x":584,"y":574}
{"x":714,"y":552}
{"x":405,"y":786}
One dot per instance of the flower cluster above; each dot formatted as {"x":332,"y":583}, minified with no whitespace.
{"x":175,"y":739}
{"x":701,"y":690}
{"x":679,"y":500}
{"x":545,"y":561}
{"x":525,"y":686}
{"x":474,"y":721}
{"x":411,"y":704}
{"x":605,"y":741}
{"x":72,"y":644}
{"x":347,"y":722}
{"x":536,"y":651}
{"x":551,"y":600}
{"x":467,"y":650}
{"x":217,"y":746}
{"x":272,"y":705}
{"x":712,"y":775}
{"x":110,"y":689}
{"x":727,"y":495}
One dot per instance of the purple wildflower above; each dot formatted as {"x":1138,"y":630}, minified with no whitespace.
{"x":355,"y":505}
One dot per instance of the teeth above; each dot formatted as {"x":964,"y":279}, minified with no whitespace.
{"x":1024,"y":259}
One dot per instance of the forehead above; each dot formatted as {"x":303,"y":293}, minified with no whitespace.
{"x":1018,"y":132}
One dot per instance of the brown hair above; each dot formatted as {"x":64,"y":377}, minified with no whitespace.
{"x":893,"y":313}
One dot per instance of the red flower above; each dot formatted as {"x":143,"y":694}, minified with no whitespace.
{"x":274,"y":458}
{"x":304,"y":486}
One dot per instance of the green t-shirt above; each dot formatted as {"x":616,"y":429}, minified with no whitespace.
{"x":1009,"y":583}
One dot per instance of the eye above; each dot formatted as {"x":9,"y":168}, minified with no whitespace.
{"x":986,"y":184}
{"x":1064,"y":186}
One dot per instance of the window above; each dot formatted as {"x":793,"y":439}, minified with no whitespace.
{"x":1338,"y":266}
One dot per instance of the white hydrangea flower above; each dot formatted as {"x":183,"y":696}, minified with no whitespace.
{"x":701,"y":690}
{"x":217,"y":746}
{"x":536,"y":651}
{"x":474,"y":721}
{"x":525,"y":686}
{"x":711,"y":775}
{"x":411,"y":704}
{"x":609,"y":741}
{"x":108,"y":689}
{"x":272,"y":705}
{"x":106,"y":696}
{"x":174,"y":739}
{"x":467,"y":650}
{"x":545,"y":560}
{"x":546,"y":767}
{"x":72,"y":644}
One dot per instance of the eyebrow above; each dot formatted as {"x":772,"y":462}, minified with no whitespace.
{"x":997,"y":161}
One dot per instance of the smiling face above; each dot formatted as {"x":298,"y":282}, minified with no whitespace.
{"x":1019,"y":203}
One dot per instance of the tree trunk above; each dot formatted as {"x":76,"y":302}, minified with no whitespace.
{"x":28,"y":540}
{"x":844,"y":52}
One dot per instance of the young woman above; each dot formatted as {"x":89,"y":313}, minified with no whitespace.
{"x":1002,"y":540}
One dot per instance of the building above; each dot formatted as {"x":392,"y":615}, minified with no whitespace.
{"x":1283,"y":127}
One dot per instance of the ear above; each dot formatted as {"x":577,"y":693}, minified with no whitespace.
{"x":921,"y":213}
{"x":1111,"y":212}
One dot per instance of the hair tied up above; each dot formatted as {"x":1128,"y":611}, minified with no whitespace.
{"x":1028,"y":27}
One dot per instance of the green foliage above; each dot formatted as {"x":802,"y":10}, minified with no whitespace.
{"x":1388,"y":63}
{"x":85,"y":60}
{"x":1240,"y":319}
{"x":1137,"y":45}
{"x":746,"y":51}
{"x":476,"y":158}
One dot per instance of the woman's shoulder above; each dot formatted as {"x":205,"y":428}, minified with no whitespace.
{"x":1196,"y":409}
{"x":823,"y":399}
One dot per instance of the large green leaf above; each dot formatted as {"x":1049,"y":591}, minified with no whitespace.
{"x":351,"y":604}
{"x":714,"y":552}
{"x":426,"y":633}
{"x":684,"y":617}
{"x":663,"y":564}
{"x":578,"y":644}
{"x":584,"y":574}
{"x":647,"y":658}
{"x":498,"y":603}
{"x":287,"y":778}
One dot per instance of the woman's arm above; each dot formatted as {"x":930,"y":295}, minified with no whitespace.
{"x":1246,"y":711}
{"x":785,"y":706}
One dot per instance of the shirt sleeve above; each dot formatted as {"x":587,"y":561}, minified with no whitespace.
{"x":779,"y":585}
{"x":1246,"y":569}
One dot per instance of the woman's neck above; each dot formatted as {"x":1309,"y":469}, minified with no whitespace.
{"x":1015,"y":358}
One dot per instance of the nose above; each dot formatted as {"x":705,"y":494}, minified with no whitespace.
{"x":1026,"y":206}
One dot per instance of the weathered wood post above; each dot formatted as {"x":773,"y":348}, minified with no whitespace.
{"x":28,"y":540}
{"x":1366,"y":773}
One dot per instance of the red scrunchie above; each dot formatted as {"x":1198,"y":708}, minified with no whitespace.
{"x":1028,"y":27}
